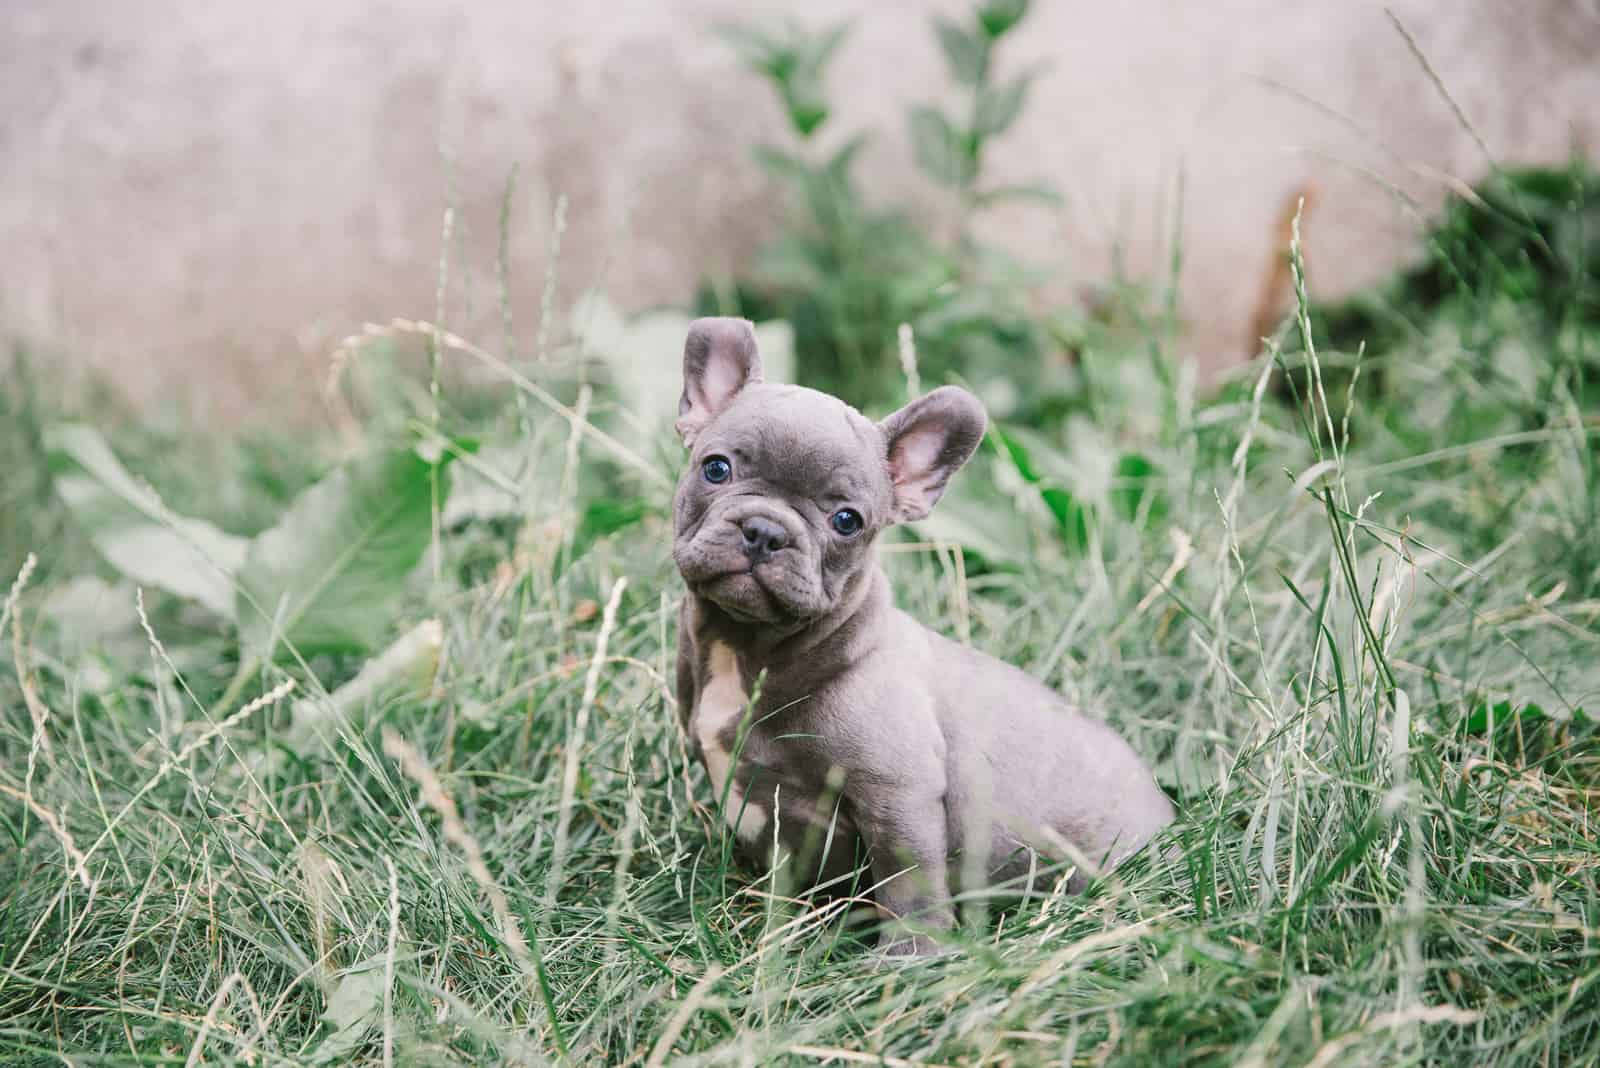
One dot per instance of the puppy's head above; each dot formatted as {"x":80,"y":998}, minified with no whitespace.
{"x":786,"y":488}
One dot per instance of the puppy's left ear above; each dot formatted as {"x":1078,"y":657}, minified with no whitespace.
{"x":719,"y":359}
{"x":928,"y":441}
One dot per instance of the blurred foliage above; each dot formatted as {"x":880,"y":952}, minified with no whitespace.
{"x":1507,"y":274}
{"x":29,"y":514}
{"x":847,"y":273}
{"x":1493,"y":336}
{"x":1528,"y":239}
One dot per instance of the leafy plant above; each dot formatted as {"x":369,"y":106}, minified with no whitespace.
{"x":794,"y":59}
{"x":1524,"y":238}
{"x":326,"y":577}
{"x":843,"y":273}
{"x":847,"y":274}
{"x":950,"y":149}
{"x":133,"y":530}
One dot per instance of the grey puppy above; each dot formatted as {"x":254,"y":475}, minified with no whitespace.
{"x":863,"y":732}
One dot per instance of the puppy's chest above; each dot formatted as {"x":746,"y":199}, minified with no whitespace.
{"x":719,"y":709}
{"x":743,"y":758}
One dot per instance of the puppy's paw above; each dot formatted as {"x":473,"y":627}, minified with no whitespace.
{"x":907,"y":948}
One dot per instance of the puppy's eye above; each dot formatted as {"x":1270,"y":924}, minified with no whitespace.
{"x":716,"y":469}
{"x":847,"y":522}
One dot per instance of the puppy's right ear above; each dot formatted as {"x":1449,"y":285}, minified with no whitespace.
{"x":719,"y":359}
{"x":926,"y":442}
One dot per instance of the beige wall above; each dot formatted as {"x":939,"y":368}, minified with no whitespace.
{"x":202,"y":198}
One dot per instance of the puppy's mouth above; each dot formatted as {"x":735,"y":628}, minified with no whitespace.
{"x":777,"y":589}
{"x":742,"y":595}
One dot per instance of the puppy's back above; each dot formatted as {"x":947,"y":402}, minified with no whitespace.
{"x":1016,"y":745}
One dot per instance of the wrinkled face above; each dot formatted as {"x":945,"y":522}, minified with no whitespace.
{"x":787,"y":487}
{"x":778,"y":506}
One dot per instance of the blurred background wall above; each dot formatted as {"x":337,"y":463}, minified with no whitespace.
{"x":200,"y":200}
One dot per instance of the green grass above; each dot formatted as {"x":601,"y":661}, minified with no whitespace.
{"x":1365,"y":658}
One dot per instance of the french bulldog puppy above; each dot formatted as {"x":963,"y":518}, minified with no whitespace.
{"x":831,"y":724}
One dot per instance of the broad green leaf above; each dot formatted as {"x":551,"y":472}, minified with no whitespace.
{"x":1037,"y":457}
{"x":1072,"y":518}
{"x":998,"y":16}
{"x":355,"y":1003}
{"x":1135,"y":478}
{"x":1018,"y":452}
{"x":133,"y":530}
{"x":793,"y":58}
{"x":998,"y":107}
{"x":607,"y":515}
{"x":941,"y":150}
{"x":1036,"y":462}
{"x":328,"y":575}
{"x":803,"y":101}
{"x":966,"y":52}
{"x":1504,"y":712}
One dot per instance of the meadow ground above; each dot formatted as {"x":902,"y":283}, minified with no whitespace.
{"x":1350,"y":618}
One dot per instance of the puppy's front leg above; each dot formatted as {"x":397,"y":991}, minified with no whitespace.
{"x":906,"y":841}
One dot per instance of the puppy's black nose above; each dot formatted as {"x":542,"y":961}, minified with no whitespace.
{"x":762,"y":537}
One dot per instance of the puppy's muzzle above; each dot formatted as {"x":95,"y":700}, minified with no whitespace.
{"x":762,"y":537}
